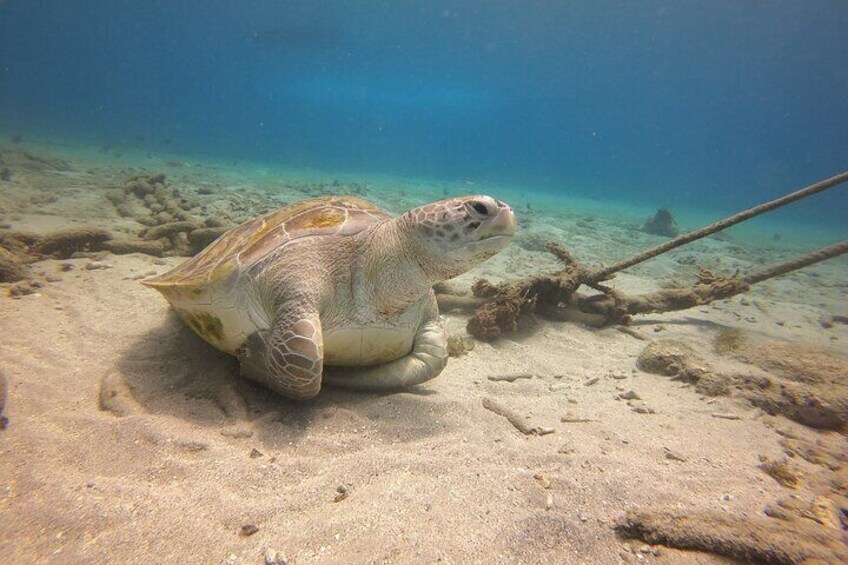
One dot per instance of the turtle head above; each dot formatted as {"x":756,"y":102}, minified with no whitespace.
{"x":457,"y":234}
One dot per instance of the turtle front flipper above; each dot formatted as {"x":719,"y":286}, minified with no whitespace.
{"x":288,"y":359}
{"x":427,"y":359}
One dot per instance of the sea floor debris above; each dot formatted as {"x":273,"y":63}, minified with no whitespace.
{"x":511,"y":306}
{"x":516,"y":419}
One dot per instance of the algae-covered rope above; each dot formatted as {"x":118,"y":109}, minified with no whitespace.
{"x":794,"y":264}
{"x":500,"y":309}
{"x":603,"y":274}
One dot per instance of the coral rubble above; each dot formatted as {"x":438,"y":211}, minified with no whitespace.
{"x":661,"y":223}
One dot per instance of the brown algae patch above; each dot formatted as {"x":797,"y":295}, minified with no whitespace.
{"x":222,"y":271}
{"x":728,"y":340}
{"x":781,"y":471}
{"x":207,"y":326}
{"x":459,"y":345}
{"x":316,"y":220}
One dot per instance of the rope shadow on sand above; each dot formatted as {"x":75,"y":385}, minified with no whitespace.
{"x":680,"y":321}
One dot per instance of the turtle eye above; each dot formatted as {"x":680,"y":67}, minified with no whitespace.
{"x":479,"y":207}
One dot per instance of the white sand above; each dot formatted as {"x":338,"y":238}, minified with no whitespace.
{"x":432,"y":476}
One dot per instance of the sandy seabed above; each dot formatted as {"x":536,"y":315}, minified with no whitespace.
{"x":129,"y":438}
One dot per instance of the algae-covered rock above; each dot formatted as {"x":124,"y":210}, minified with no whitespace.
{"x":678,"y":360}
{"x":19,"y":242}
{"x":170,"y":229}
{"x":661,"y":223}
{"x":156,"y":178}
{"x":23,"y":288}
{"x":808,"y":386}
{"x":62,"y":244}
{"x":140,"y":187}
{"x":12,"y":269}
{"x":162,"y":217}
{"x":125,"y":246}
{"x":746,"y":540}
{"x":672,"y":359}
{"x":823,"y":406}
{"x":510,"y":310}
{"x":213,"y":222}
{"x":802,"y":383}
{"x":819,"y":509}
{"x":459,"y":345}
{"x":202,"y":237}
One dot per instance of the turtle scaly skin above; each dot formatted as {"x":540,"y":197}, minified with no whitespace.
{"x":335,"y":290}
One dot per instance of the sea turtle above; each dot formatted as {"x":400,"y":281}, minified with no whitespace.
{"x":335,"y":289}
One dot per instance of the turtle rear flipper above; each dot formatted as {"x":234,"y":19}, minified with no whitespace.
{"x":427,"y":359}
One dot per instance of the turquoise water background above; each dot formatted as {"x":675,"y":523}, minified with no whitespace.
{"x":685,"y":104}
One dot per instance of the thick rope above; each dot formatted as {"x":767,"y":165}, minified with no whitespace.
{"x":603,"y":274}
{"x":500,"y":309}
{"x":794,"y":264}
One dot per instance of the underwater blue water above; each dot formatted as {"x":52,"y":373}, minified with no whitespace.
{"x":673,"y":103}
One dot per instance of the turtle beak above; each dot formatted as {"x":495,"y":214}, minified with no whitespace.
{"x":503,"y":224}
